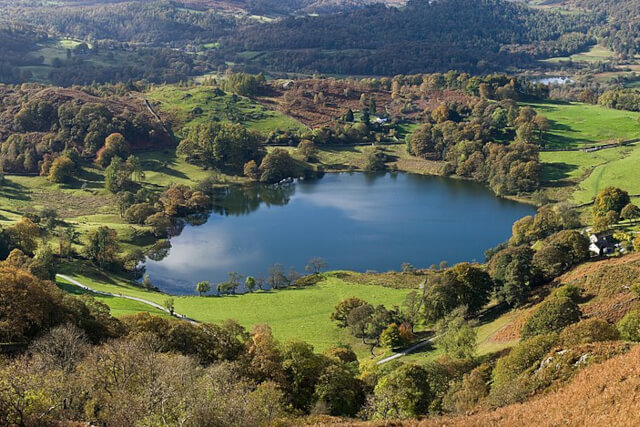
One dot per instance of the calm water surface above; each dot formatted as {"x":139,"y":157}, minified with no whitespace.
{"x":354,"y":221}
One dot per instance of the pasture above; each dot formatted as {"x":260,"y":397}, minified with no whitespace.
{"x":293,"y":314}
{"x":575,"y":124}
{"x":188,"y":107}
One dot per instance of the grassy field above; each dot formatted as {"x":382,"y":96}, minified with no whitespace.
{"x":118,"y":306}
{"x":293,"y":314}
{"x":182,"y":104}
{"x":596,"y":53}
{"x":575,"y":124}
{"x":578,"y":176}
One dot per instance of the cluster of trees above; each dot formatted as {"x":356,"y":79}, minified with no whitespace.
{"x":221,"y":145}
{"x":234,"y":149}
{"x":467,"y":35}
{"x":463,"y":135}
{"x":610,"y":206}
{"x":154,"y":23}
{"x":37,"y":125}
{"x":620,"y":28}
{"x":17,"y":44}
{"x":116,"y":62}
{"x":516,"y":268}
{"x":276,"y":279}
{"x":252,"y":378}
{"x":621,"y":99}
{"x":243,"y":83}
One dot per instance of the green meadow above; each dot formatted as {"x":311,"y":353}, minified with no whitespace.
{"x":188,"y":107}
{"x":293,"y":314}
{"x":575,"y":124}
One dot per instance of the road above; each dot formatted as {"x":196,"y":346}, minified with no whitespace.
{"x":109,"y":294}
{"x":407,"y":351}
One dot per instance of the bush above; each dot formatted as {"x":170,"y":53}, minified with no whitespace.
{"x":572,"y":292}
{"x":390,"y":337}
{"x":138,"y":213}
{"x":522,"y":357}
{"x":552,"y":316}
{"x":589,"y":331}
{"x":629,"y":326}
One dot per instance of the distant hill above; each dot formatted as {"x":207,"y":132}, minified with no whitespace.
{"x":468,"y":35}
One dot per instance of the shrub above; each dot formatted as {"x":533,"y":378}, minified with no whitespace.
{"x":466,"y":394}
{"x":589,"y":331}
{"x":390,"y":337}
{"x":552,"y":316}
{"x":629,"y":326}
{"x":138,"y":213}
{"x":521,"y":358}
{"x":569,"y":291}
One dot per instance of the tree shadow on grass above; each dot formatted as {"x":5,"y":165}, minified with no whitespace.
{"x":553,"y":173}
{"x":14,"y":191}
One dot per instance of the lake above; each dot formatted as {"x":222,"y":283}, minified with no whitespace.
{"x":354,"y":221}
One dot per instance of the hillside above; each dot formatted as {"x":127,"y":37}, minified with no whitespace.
{"x":472,"y":36}
{"x":602,"y":394}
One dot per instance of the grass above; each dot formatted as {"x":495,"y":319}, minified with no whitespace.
{"x":485,"y":342}
{"x":293,"y":314}
{"x":181,"y":105}
{"x":578,"y":176}
{"x":118,"y":306}
{"x":596,"y":53}
{"x":575,"y":124}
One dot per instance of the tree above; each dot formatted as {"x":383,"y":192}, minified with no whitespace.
{"x":348,"y":116}
{"x":457,"y":336}
{"x":251,"y":170}
{"x":411,"y":308}
{"x":24,"y":235}
{"x":139,"y":213}
{"x":610,"y":199}
{"x":61,"y":169}
{"x":276,"y":166}
{"x":117,"y":176}
{"x":234,"y":281}
{"x":250,"y":283}
{"x":302,"y":368}
{"x":63,"y":347}
{"x":307,"y":150}
{"x":376,"y":160}
{"x":391,"y":337}
{"x":513,"y":272}
{"x":115,"y":145}
{"x":462,"y":285}
{"x":342,"y":310}
{"x":103,"y":247}
{"x":160,"y":222}
{"x":316,"y":265}
{"x":222,"y":145}
{"x":630,"y":212}
{"x":339,"y":391}
{"x":203,"y":287}
{"x":169,"y":304}
{"x":276,"y":277}
{"x":589,"y":331}
{"x":403,"y":393}
{"x":359,"y":319}
{"x":552,"y":316}
{"x":561,"y":251}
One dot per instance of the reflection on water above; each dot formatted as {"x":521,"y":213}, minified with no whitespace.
{"x":354,"y":221}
